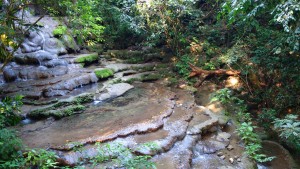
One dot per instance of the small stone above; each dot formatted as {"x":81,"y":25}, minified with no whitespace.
{"x":229,"y":147}
{"x":231,"y":160}
{"x":222,"y":157}
{"x":220,"y":153}
{"x":238,"y":160}
{"x":236,"y":157}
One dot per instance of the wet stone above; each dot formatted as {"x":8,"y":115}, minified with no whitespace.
{"x":229,"y":147}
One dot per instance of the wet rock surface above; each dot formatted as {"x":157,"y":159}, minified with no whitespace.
{"x":187,"y":132}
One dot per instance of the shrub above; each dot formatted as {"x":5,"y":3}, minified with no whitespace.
{"x":289,"y":129}
{"x":9,"y":144}
{"x":9,"y":111}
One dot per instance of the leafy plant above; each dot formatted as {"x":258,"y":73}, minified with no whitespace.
{"x":183,"y":65}
{"x":84,"y":20}
{"x":9,"y":145}
{"x":9,"y":111}
{"x":223,"y":95}
{"x":266,"y":117}
{"x":121,"y":156}
{"x":41,"y":158}
{"x":289,"y":129}
{"x":245,"y":129}
{"x":59,"y":31}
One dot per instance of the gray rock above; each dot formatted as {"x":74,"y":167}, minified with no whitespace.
{"x":54,"y":46}
{"x":113,"y":91}
{"x":209,"y":147}
{"x":223,"y":136}
{"x":9,"y":75}
{"x":220,"y":153}
{"x":229,"y":147}
{"x":68,"y":85}
{"x":55,"y":62}
{"x":35,"y":57}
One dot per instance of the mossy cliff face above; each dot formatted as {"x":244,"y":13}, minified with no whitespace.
{"x":63,"y":108}
{"x":87,"y":58}
{"x":104,"y":73}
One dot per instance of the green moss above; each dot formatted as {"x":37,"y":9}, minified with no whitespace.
{"x":62,"y":108}
{"x":150,"y":77}
{"x":59,"y":31}
{"x":58,"y":113}
{"x":144,"y":69}
{"x":69,"y":41}
{"x":104,"y":73}
{"x":87,"y":58}
{"x":130,"y":81}
{"x":84,"y":99}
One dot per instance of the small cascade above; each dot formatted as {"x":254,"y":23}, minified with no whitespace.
{"x":26,"y":120}
{"x":44,"y":40}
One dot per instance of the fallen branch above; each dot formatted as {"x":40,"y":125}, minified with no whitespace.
{"x":203,"y":74}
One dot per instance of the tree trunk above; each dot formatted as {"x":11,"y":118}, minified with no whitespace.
{"x":203,"y":74}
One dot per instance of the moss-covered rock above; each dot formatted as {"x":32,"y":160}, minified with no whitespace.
{"x":87,"y":58}
{"x":69,"y":42}
{"x":104,"y":73}
{"x":135,"y":56}
{"x":62,"y":108}
{"x":150,"y":77}
{"x":57,"y":113}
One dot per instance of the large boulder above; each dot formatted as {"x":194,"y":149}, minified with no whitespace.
{"x":9,"y":75}
{"x":35,"y":57}
{"x":54,"y":46}
{"x":55,"y":62}
{"x":70,"y":43}
{"x":33,"y":42}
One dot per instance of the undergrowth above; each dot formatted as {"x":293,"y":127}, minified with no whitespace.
{"x":245,"y":128}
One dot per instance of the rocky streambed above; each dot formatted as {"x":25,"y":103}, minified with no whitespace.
{"x":73,"y":101}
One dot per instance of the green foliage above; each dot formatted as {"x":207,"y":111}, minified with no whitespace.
{"x":266,"y":117}
{"x":9,"y":111}
{"x":223,"y":95}
{"x":289,"y":129}
{"x":253,"y":150}
{"x":104,"y":73}
{"x":167,"y":21}
{"x":284,"y":12}
{"x":11,"y":155}
{"x":41,"y":158}
{"x":59,"y":31}
{"x":246,"y":132}
{"x":9,"y":145}
{"x":84,"y":20}
{"x":124,"y":25}
{"x":245,"y":129}
{"x":121,"y":156}
{"x":183,"y":65}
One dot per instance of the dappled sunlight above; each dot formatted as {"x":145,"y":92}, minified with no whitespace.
{"x":233,"y":82}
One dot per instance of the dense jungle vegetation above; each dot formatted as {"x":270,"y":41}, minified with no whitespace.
{"x":259,"y":40}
